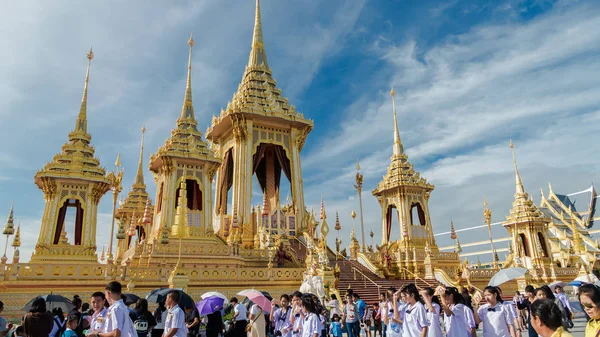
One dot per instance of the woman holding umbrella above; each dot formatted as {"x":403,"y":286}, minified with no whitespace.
{"x":257,"y":321}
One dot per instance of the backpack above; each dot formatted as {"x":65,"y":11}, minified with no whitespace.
{"x":61,"y":328}
{"x":141,"y":326}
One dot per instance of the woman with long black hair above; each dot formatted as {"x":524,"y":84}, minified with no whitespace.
{"x":310,"y":325}
{"x":494,"y":316}
{"x":458,"y":318}
{"x":414,"y":323}
{"x":544,"y":292}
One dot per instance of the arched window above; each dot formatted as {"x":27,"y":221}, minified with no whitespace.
{"x":193,"y":195}
{"x":543,"y":244}
{"x":525,"y":244}
{"x":71,"y":211}
{"x":160,"y":196}
{"x":417,"y":214}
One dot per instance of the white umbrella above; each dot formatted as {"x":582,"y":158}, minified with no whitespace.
{"x":589,"y":278}
{"x":557,"y":283}
{"x":505,"y":275}
{"x":214,"y":294}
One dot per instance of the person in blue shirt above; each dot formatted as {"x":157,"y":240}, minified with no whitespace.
{"x":72,"y":323}
{"x":336,"y":326}
{"x":362,"y":306}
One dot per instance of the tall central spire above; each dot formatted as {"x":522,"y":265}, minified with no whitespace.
{"x":398,"y":148}
{"x":187,"y":111}
{"x":258,"y":55}
{"x":139,"y":178}
{"x":520,"y":188}
{"x":81,"y":123}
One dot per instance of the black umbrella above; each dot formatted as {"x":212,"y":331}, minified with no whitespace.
{"x":160,"y":295}
{"x":130,"y":298}
{"x":52,"y":302}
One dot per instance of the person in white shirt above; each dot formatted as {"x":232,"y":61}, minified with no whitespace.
{"x":175,"y":323}
{"x":414,"y":321}
{"x":280,"y":317}
{"x":564,"y":299}
{"x":97,"y":302}
{"x":458,"y":318}
{"x":297,"y":314}
{"x":117,"y":322}
{"x":310,"y":325}
{"x":496,"y":319}
{"x":239,"y":317}
{"x":433,"y":312}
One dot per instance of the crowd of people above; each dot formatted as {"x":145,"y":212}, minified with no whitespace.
{"x":408,"y":312}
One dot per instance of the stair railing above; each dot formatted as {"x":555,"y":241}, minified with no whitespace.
{"x":417,"y":278}
{"x":365,"y":279}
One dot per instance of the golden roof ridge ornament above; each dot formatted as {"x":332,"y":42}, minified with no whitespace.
{"x":398,"y":148}
{"x":519,"y":183}
{"x":258,"y":55}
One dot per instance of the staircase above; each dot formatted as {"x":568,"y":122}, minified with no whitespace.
{"x":368,"y":284}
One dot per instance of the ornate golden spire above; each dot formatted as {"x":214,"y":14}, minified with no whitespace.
{"x":139,"y":178}
{"x":258,"y":55}
{"x":17,"y":239}
{"x":81,"y":123}
{"x":9,"y":227}
{"x":322,"y":214}
{"x":520,"y":188}
{"x":398,"y":148}
{"x":452,"y":231}
{"x":187,"y":111}
{"x":523,"y":209}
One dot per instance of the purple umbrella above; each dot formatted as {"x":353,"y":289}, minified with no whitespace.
{"x":209,"y":305}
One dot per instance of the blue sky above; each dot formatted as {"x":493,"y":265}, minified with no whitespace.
{"x":469,"y":76}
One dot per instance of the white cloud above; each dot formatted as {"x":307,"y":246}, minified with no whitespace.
{"x":461,"y":100}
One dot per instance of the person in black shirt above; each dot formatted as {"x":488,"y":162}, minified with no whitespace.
{"x":214,"y":325}
{"x":525,"y":304}
{"x":192,"y":320}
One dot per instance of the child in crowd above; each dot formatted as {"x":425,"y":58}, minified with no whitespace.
{"x":336,"y":326}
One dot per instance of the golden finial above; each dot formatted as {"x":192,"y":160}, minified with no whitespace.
{"x":485,"y":204}
{"x":519,"y":183}
{"x":258,"y":55}
{"x":139,"y":178}
{"x":118,"y":161}
{"x":452,"y":231}
{"x":322,"y":214}
{"x":187,"y":111}
{"x":358,"y":165}
{"x":398,"y":148}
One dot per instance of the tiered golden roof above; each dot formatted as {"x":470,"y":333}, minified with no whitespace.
{"x":400,"y":172}
{"x":185,"y":141}
{"x":257,"y":94}
{"x":137,"y":197}
{"x":523,"y":209}
{"x":77,"y":157}
{"x":17,"y":239}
